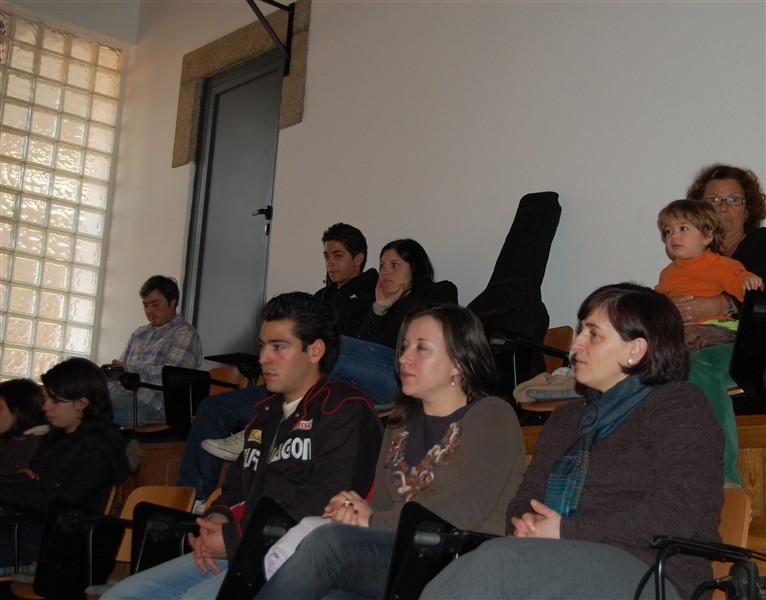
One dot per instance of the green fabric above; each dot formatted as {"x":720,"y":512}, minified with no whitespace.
{"x":710,"y":372}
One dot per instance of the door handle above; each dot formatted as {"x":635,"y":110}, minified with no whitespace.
{"x":266,"y":212}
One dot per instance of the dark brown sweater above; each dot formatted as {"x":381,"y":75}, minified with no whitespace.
{"x":659,"y":472}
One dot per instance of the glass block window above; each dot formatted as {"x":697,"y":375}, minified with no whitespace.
{"x":60,"y":100}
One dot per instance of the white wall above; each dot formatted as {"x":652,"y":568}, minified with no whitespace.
{"x":432,"y":119}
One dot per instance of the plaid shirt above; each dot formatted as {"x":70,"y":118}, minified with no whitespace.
{"x":150,"y":348}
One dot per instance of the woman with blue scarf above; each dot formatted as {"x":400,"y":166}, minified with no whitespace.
{"x":641,"y":456}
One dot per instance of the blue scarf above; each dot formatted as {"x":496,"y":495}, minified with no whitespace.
{"x":602,"y":416}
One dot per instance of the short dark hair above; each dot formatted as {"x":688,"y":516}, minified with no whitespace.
{"x":466,"y":345}
{"x":700,"y":214}
{"x":636,"y":311}
{"x":24,"y":400}
{"x":167,"y":286}
{"x":755,"y":201}
{"x":352,"y":239}
{"x":314,"y":320}
{"x":77,"y":378}
{"x":414,"y":255}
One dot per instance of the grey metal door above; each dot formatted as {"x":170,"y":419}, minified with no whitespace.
{"x":229,"y":231}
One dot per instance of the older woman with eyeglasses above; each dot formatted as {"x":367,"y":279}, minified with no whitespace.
{"x":740,"y":203}
{"x":738,"y":199}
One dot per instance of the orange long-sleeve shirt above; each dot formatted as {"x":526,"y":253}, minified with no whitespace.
{"x":706,"y":275}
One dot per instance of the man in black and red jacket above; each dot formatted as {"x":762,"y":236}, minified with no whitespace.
{"x":310,"y":438}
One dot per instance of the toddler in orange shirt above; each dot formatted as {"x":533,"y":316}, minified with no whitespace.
{"x":693,"y":237}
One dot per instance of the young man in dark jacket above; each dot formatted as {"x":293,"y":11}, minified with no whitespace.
{"x":311,"y":437}
{"x":350,"y":290}
{"x":348,"y":287}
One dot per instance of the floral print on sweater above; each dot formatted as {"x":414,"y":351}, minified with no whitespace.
{"x":410,"y":480}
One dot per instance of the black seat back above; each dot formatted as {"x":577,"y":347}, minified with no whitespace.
{"x":78,"y":549}
{"x":159,"y":535}
{"x":425,"y":544}
{"x":512,"y":305}
{"x":748,"y":360}
{"x":245,"y":575}
{"x":184,"y":390}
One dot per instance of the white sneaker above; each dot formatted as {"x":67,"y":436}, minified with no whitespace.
{"x":226,"y":448}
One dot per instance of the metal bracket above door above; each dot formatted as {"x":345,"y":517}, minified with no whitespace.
{"x":286,"y":47}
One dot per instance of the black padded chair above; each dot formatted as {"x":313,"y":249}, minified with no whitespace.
{"x":245,"y":575}
{"x":247,"y":364}
{"x":511,"y":306}
{"x":742,"y":583}
{"x":425,"y":544}
{"x":183,"y":391}
{"x":78,"y":549}
{"x":159,"y":534}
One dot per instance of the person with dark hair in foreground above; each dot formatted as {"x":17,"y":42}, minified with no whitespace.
{"x":82,"y":456}
{"x":641,"y":456}
{"x":22,"y":423}
{"x":449,"y":445}
{"x":167,"y":340}
{"x":312,"y":436}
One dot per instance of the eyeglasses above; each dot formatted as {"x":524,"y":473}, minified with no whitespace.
{"x":730,"y":201}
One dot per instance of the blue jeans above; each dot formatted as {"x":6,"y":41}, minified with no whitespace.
{"x":348,"y":559}
{"x":122,"y":407}
{"x":543,"y":569}
{"x":216,"y":417}
{"x":177,"y":578}
{"x":30,"y":536}
{"x":370,"y":366}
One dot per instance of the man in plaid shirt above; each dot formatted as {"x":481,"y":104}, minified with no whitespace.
{"x":167,"y":340}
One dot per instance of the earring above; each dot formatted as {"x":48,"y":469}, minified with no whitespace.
{"x":630,"y":361}
{"x":452,"y":381}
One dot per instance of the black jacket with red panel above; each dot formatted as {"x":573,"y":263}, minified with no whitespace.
{"x":330,"y":443}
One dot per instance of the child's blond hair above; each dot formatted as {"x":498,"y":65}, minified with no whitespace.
{"x":700,"y":214}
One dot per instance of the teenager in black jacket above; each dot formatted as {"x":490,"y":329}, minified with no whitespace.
{"x":82,"y":456}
